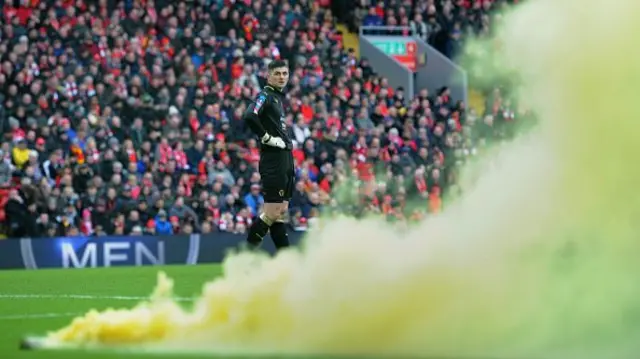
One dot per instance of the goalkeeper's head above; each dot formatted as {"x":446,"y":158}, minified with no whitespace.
{"x":278,"y":76}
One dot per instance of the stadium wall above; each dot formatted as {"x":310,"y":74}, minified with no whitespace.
{"x":422,"y":67}
{"x":111,"y":251}
{"x":397,"y":73}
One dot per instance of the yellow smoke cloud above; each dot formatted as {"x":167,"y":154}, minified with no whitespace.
{"x":539,"y":258}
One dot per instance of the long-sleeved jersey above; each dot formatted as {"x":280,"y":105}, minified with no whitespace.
{"x":266,"y":115}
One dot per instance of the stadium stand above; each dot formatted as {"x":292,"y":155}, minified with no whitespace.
{"x":443,"y":24}
{"x":122,"y":117}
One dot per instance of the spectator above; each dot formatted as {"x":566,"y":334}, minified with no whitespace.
{"x":181,"y":210}
{"x":373,"y":18}
{"x":20,"y":215}
{"x":162,"y":225}
{"x":5,"y":171}
{"x":254,"y":199}
{"x":150,"y":228}
{"x":20,"y":154}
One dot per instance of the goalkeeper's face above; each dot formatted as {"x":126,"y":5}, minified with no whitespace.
{"x":279,"y":77}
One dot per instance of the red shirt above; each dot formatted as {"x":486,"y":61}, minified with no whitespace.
{"x":365,"y":171}
{"x":298,"y":155}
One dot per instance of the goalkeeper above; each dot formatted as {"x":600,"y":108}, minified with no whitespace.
{"x":266,"y":119}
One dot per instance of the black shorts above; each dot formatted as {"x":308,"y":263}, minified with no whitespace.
{"x":277,"y":173}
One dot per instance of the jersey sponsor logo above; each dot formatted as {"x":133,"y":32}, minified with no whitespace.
{"x":259,"y":103}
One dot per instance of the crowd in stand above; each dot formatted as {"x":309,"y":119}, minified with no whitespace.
{"x":123,"y":117}
{"x":442,"y":23}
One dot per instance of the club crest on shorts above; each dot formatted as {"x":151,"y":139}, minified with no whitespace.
{"x":281,"y":193}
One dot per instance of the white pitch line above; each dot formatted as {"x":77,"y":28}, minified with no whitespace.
{"x":37,"y":316}
{"x":84,"y":296}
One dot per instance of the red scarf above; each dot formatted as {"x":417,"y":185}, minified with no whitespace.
{"x":132,"y":155}
{"x":165,"y":153}
{"x":181,"y":159}
{"x":86,"y":227}
{"x":135,"y":192}
{"x":215,"y":212}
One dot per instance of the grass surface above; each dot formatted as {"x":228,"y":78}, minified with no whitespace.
{"x":35,"y":302}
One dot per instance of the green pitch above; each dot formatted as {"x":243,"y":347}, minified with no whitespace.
{"x":34,"y":302}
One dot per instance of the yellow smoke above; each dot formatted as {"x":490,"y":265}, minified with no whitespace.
{"x":539,"y":258}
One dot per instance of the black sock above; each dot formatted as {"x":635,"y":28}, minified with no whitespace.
{"x":257,"y":231}
{"x":279,"y":235}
